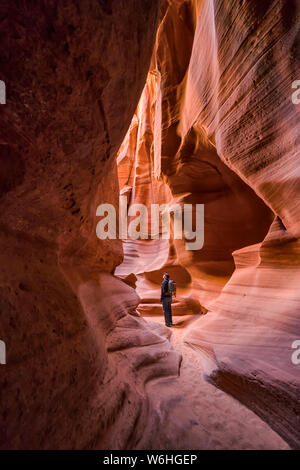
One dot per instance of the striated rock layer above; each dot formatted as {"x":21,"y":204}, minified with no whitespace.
{"x":216,"y":125}
{"x":81,"y":371}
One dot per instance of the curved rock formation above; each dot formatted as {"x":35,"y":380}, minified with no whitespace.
{"x":215,"y":125}
{"x":224,"y":132}
{"x":75,"y":375}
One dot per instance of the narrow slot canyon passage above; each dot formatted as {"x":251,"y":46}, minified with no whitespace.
{"x":218,"y":420}
{"x":173,"y":103}
{"x":222,"y":422}
{"x":172,"y":154}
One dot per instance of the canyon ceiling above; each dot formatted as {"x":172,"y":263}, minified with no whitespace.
{"x":162,"y":101}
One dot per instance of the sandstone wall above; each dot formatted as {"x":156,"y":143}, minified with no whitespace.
{"x":75,"y":375}
{"x":224,"y":132}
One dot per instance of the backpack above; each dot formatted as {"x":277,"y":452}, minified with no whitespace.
{"x":172,"y":287}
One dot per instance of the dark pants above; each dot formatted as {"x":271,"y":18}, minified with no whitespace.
{"x":166,"y":302}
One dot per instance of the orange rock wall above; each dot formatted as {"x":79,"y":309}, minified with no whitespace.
{"x":75,"y":375}
{"x":220,"y":128}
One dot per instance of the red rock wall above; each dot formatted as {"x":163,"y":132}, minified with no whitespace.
{"x":224,"y":132}
{"x":215,"y":121}
{"x":75,"y":376}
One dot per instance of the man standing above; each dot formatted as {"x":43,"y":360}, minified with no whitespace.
{"x":166,"y":299}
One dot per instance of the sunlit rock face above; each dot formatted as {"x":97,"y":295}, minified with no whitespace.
{"x":75,"y":376}
{"x":216,"y":125}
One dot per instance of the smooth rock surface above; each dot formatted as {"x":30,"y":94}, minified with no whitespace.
{"x":220,"y":128}
{"x":81,"y":372}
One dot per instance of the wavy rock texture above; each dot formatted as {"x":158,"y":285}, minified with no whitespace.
{"x":81,"y":371}
{"x":216,"y":125}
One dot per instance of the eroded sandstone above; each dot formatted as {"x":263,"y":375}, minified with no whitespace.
{"x":216,"y":125}
{"x":75,"y":375}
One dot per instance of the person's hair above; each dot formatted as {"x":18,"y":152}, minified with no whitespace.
{"x":167,"y":275}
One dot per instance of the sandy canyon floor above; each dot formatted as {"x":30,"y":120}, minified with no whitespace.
{"x":224,"y":423}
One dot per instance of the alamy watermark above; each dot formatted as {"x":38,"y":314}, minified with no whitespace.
{"x":296,"y":354}
{"x":138,"y":226}
{"x":2,"y":92}
{"x":2,"y":352}
{"x":296,"y":94}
